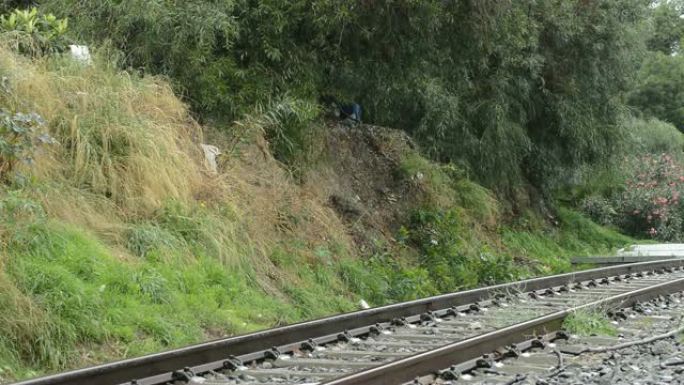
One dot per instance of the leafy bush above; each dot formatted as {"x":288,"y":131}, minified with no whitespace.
{"x":660,"y":88}
{"x":639,"y":193}
{"x":600,"y":209}
{"x":19,"y":134}
{"x":649,"y":203}
{"x":651,"y":200}
{"x":288,"y":125}
{"x":33,"y":32}
{"x":439,"y":237}
{"x":654,"y":136}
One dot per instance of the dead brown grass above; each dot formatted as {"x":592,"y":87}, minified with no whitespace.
{"x":124,"y":137}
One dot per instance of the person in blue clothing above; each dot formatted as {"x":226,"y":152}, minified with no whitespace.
{"x":348,"y":113}
{"x":351,"y":112}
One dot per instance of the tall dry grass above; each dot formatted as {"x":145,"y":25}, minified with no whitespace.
{"x":128,"y":148}
{"x":123,"y":136}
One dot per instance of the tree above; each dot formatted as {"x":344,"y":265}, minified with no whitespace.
{"x":660,"y":91}
{"x":668,"y":26}
{"x":512,"y":89}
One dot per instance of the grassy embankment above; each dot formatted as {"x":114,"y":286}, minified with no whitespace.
{"x":117,"y":242}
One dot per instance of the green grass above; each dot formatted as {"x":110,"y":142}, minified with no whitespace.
{"x":550,"y":250}
{"x":82,"y":295}
{"x":586,"y":323}
{"x":91,"y":295}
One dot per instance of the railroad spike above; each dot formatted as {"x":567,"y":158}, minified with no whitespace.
{"x":562,"y":335}
{"x":512,"y":351}
{"x":345,"y":336}
{"x":538,"y":343}
{"x":452,"y":311}
{"x":309,"y":346}
{"x":232,"y":363}
{"x":184,"y":375}
{"x":450,"y":374}
{"x":272,"y":353}
{"x":399,"y":322}
{"x":428,"y":316}
{"x":484,"y":362}
{"x":376,"y":329}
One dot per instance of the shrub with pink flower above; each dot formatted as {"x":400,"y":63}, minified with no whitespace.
{"x":649,"y":204}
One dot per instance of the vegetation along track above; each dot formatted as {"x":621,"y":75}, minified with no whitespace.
{"x":391,"y":344}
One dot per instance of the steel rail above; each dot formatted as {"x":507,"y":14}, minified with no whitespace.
{"x":162,"y":365}
{"x":404,"y":370}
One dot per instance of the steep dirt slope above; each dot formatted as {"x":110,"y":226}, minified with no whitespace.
{"x":362,"y":180}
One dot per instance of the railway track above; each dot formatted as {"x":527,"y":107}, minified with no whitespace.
{"x":392,"y":344}
{"x":635,"y":352}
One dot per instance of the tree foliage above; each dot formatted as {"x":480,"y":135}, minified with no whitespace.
{"x":668,"y":26}
{"x":34,"y":33}
{"x":511,"y":89}
{"x":660,"y":91}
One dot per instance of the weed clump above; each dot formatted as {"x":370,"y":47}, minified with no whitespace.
{"x":589,"y":323}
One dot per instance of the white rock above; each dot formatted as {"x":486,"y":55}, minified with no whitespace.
{"x":363,"y":304}
{"x":81,"y":53}
{"x":210,"y":155}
